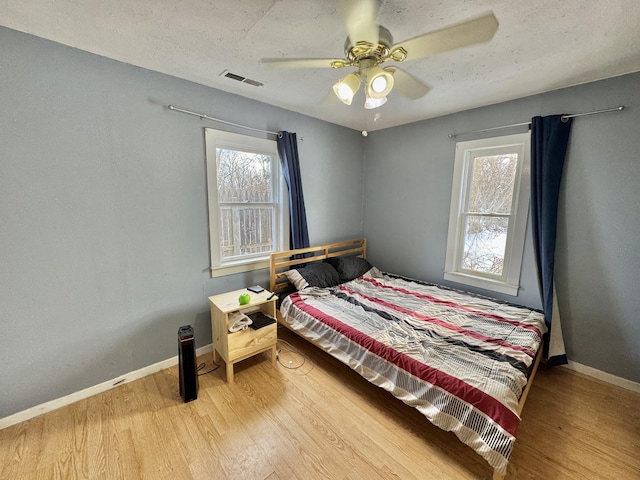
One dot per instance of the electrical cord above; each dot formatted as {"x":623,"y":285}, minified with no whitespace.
{"x":278,"y":353}
{"x":201,"y":366}
{"x":293,"y":350}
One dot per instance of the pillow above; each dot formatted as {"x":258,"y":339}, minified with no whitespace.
{"x":349,"y":267}
{"x":374,"y":273}
{"x":318,"y":274}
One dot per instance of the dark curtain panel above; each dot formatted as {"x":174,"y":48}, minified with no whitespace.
{"x":549,"y":140}
{"x":288,"y":151}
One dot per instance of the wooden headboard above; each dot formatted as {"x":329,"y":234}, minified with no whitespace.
{"x":283,"y":261}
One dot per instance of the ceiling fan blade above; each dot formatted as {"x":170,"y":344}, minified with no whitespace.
{"x":408,"y":85}
{"x":360,"y":19}
{"x":479,"y":30}
{"x":300,"y":62}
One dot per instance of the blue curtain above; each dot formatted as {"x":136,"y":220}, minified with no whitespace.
{"x":549,"y":140}
{"x":288,"y":151}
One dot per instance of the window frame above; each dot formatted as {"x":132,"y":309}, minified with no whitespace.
{"x":509,"y":282}
{"x":215,"y":139}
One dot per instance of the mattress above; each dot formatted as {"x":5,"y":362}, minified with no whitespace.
{"x":462,"y":360}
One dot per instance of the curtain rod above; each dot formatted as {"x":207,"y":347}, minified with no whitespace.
{"x":207,"y":117}
{"x":563,"y":118}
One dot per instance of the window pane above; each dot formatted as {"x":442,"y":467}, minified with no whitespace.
{"x":246,"y":230}
{"x":492,"y":184}
{"x":485,"y":239}
{"x":243,"y":176}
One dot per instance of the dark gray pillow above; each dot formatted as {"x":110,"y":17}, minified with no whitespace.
{"x":349,"y":268}
{"x":318,"y":274}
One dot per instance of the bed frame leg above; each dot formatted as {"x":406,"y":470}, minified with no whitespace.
{"x":498,"y":476}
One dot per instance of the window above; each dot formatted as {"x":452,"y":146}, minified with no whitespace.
{"x":488,"y":216}
{"x":248,"y":218}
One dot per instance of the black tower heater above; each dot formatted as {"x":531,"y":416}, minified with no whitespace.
{"x":187,"y":364}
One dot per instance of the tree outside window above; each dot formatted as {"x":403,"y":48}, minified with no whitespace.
{"x":248,"y":211}
{"x":245,"y":199}
{"x":488,"y":215}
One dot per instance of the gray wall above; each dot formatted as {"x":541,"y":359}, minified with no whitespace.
{"x":408,"y":175}
{"x":103,"y":212}
{"x":104,"y":228}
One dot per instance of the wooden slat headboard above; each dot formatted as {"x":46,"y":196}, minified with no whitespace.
{"x":282,"y":261}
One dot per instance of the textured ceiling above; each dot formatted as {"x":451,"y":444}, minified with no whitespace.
{"x":540,"y":45}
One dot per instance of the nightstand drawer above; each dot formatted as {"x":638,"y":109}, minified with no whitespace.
{"x":246,"y":342}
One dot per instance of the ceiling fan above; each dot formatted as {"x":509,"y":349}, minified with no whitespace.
{"x":369,"y":45}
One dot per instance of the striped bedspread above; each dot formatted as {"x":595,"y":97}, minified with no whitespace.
{"x":461,"y":360}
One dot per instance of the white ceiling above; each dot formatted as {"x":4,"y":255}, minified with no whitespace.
{"x":541,"y":45}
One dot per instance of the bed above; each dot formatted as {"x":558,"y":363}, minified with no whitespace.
{"x":466,"y":362}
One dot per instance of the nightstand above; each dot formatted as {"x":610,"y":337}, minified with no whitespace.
{"x":237,"y":346}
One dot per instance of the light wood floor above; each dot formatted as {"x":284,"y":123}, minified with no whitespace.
{"x":321,"y":420}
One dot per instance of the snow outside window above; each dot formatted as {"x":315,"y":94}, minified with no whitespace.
{"x":488,"y":215}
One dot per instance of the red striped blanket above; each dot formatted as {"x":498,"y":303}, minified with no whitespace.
{"x":461,"y":360}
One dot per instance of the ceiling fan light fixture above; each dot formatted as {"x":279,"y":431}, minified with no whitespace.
{"x":346,"y":88}
{"x":371,"y":103}
{"x":379,"y":82}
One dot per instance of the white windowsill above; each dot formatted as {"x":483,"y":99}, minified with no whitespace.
{"x":240,"y":267}
{"x":484,"y":283}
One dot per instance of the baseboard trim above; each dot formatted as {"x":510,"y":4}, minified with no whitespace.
{"x":170,"y":362}
{"x":94,"y":390}
{"x":604,"y":376}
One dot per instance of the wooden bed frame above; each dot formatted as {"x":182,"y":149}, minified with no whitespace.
{"x":280,"y":262}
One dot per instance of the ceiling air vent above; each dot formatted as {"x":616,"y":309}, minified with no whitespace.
{"x":240,"y":78}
